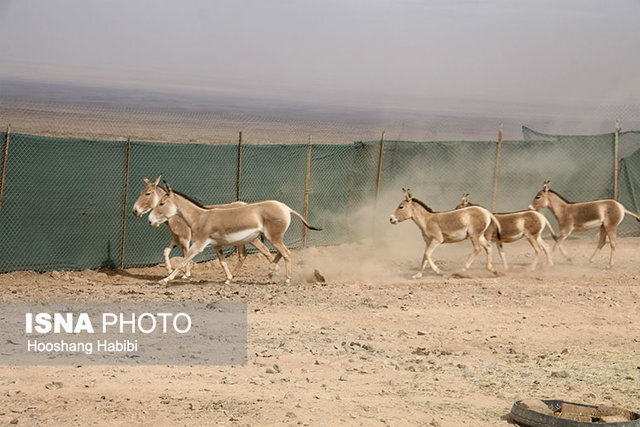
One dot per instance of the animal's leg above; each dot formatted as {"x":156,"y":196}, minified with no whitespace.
{"x":502,"y":257}
{"x":559,"y":239}
{"x":477,"y":248}
{"x":273,"y":267}
{"x":536,"y":247}
{"x":612,"y":242}
{"x":193,"y":251}
{"x":242,"y":255}
{"x":284,"y":253}
{"x":545,"y":248}
{"x":427,"y":259}
{"x":261,"y":248}
{"x":184,"y":243}
{"x":601,"y":242}
{"x":223,"y":264}
{"x":166,"y":252}
{"x":487,"y":248}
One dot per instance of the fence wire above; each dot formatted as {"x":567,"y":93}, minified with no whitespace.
{"x":67,"y":202}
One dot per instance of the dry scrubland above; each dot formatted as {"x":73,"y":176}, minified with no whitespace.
{"x":369,"y":347}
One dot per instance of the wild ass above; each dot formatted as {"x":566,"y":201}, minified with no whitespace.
{"x":583,"y":216}
{"x":149,"y":198}
{"x":515,"y":226}
{"x":227,"y":227}
{"x":447,"y":227}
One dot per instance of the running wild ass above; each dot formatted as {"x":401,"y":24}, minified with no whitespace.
{"x":447,"y":227}
{"x":606,"y":214}
{"x":150,"y":197}
{"x":227,"y":227}
{"x":515,"y":226}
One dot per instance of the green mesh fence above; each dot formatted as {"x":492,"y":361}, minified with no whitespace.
{"x":63,"y":199}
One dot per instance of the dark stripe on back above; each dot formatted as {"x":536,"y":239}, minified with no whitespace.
{"x":195,"y":202}
{"x":561,"y":198}
{"x":423,"y":204}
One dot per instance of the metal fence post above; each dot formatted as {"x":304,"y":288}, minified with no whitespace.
{"x":616,"y":136}
{"x":307,"y":182}
{"x":497,"y":171}
{"x":124,"y":203}
{"x":239,"y":177}
{"x":4,"y":164}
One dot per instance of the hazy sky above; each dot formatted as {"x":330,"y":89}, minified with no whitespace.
{"x":403,"y":52}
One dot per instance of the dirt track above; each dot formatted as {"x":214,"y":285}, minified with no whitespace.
{"x":375,"y":350}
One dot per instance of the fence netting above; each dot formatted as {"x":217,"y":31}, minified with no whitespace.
{"x":67,"y":203}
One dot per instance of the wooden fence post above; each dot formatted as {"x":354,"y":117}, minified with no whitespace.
{"x":616,"y":136}
{"x":4,"y":164}
{"x":239,"y":177}
{"x":497,"y":171}
{"x":307,"y":182}
{"x":124,"y":203}
{"x":379,"y":176}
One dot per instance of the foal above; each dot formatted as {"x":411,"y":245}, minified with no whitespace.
{"x":227,"y":227}
{"x":606,"y":214}
{"x":447,"y":227}
{"x":515,"y":226}
{"x":180,"y":232}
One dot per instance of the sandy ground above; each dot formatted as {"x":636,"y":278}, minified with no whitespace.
{"x":369,"y":347}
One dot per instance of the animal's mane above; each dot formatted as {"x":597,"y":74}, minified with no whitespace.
{"x":192,"y":200}
{"x":561,"y":198}
{"x":423,"y":204}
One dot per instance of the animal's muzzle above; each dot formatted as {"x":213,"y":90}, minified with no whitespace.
{"x":531,"y":208}
{"x":393,"y":220}
{"x":154,"y":224}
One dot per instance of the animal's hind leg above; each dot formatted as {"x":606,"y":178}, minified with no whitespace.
{"x":545,"y":248}
{"x":477,"y":248}
{"x":223,"y":264}
{"x":242,"y":255}
{"x":612,"y":242}
{"x":502,"y":257}
{"x":283,"y":251}
{"x":487,"y":248}
{"x":536,"y":247}
{"x":601,"y":242}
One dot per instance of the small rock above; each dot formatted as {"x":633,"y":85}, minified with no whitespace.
{"x":291,"y":415}
{"x":14,"y":421}
{"x":343,"y":378}
{"x":559,"y":374}
{"x":422,"y":332}
{"x":54,"y":385}
{"x":275,"y":369}
{"x":56,"y":275}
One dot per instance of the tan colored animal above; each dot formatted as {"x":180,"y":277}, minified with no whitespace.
{"x":447,"y":227}
{"x":227,"y":227}
{"x":606,"y":214}
{"x":149,"y":198}
{"x":515,"y":226}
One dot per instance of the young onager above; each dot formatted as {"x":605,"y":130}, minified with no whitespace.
{"x":515,"y":226}
{"x":606,"y":214}
{"x":228,"y":227}
{"x":447,"y":227}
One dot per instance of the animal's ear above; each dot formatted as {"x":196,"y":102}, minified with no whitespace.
{"x":146,"y":180}
{"x":546,"y":186}
{"x":407,"y":194}
{"x":157,"y":181}
{"x":168,"y":187}
{"x":465,"y":197}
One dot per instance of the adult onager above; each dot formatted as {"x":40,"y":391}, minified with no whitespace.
{"x":515,"y":226}
{"x":150,"y":197}
{"x":606,"y":214}
{"x":447,"y":227}
{"x":227,"y":227}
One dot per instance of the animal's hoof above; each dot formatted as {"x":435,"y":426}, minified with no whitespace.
{"x":287,"y":282}
{"x":227,"y":282}
{"x":417,"y":276}
{"x":163,"y":282}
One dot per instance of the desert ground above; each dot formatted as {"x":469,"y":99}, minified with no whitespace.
{"x":370,"y":346}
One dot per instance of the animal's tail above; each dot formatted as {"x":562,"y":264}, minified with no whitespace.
{"x":498,"y":227}
{"x":553,"y":233}
{"x":632,"y":214}
{"x":304,"y":221}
